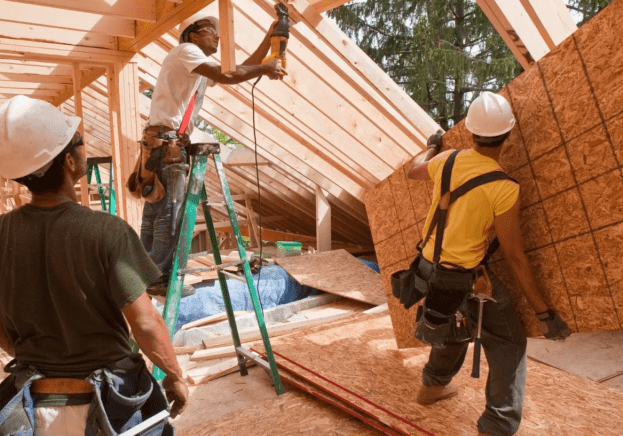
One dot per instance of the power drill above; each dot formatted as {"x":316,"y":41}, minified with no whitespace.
{"x":279,"y":38}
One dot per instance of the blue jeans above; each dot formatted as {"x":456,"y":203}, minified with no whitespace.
{"x":161,"y":221}
{"x":504,"y":343}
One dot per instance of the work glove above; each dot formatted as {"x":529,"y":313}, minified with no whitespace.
{"x":553,"y":326}
{"x":434,"y":141}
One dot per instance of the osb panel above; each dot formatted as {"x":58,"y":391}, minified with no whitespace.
{"x":570,"y":92}
{"x":390,"y":251}
{"x":420,"y":198}
{"x":566,"y":215}
{"x":591,"y":154}
{"x":528,"y":98}
{"x":553,"y":172}
{"x":528,"y":193}
{"x":615,"y":130}
{"x":595,"y":313}
{"x":403,"y":322}
{"x":568,"y":163}
{"x":603,"y":198}
{"x":293,"y":413}
{"x":411,"y":237}
{"x":534,"y":228}
{"x":381,"y":212}
{"x":336,"y":272}
{"x":599,"y":43}
{"x":402,"y":199}
{"x":581,"y":267}
{"x":371,"y":368}
{"x":610,"y":244}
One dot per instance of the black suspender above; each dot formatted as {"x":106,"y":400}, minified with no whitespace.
{"x":448,"y":197}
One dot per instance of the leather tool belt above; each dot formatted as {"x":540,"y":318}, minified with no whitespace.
{"x":65,"y":386}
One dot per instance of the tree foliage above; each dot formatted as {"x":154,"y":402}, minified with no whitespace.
{"x":442,"y":52}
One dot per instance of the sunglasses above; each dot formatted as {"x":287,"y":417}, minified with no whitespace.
{"x":75,"y":143}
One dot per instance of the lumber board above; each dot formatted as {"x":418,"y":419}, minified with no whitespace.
{"x":214,"y":353}
{"x":217,"y":317}
{"x":336,"y":272}
{"x":207,"y":373}
{"x":361,"y":357}
{"x":566,"y":154}
{"x":293,"y":413}
{"x":143,"y":10}
{"x":253,"y":334}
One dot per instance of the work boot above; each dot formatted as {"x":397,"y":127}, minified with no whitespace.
{"x":431,"y":394}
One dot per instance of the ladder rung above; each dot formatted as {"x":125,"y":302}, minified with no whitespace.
{"x":252,"y":355}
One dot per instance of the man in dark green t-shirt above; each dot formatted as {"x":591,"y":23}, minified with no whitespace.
{"x":71,"y":277}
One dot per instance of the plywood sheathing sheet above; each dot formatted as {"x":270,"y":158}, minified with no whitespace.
{"x":293,"y":413}
{"x":336,"y":272}
{"x":566,"y":152}
{"x":361,"y":357}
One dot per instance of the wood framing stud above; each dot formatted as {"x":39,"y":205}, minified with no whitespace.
{"x":323,"y":221}
{"x":226,"y":24}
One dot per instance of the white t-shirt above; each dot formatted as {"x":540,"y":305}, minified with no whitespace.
{"x":176,"y":85}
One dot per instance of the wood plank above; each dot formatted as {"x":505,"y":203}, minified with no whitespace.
{"x":218,"y":317}
{"x":551,"y":18}
{"x":50,"y":52}
{"x":336,"y":272}
{"x":216,"y":353}
{"x":88,"y":77}
{"x":226,"y":30}
{"x":205,"y":374}
{"x":140,"y":10}
{"x":334,"y":352}
{"x":49,"y":16}
{"x":253,"y":334}
{"x":321,"y":6}
{"x":55,"y":35}
{"x":84,"y":186}
{"x":323,"y":221}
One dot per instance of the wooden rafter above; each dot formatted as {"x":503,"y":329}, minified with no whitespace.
{"x":143,"y":10}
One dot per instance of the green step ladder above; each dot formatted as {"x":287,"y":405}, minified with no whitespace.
{"x":195,"y":194}
{"x":93,"y":167}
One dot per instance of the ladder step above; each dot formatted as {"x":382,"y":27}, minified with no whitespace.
{"x":252,"y":355}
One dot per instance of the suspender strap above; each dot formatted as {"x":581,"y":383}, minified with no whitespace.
{"x":187,"y":114}
{"x":448,"y":197}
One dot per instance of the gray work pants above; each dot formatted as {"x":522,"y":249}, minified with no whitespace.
{"x":504,"y":344}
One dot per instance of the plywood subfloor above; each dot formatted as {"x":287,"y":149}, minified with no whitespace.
{"x":336,"y":272}
{"x":361,"y":356}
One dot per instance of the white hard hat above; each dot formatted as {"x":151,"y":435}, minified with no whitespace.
{"x":198,"y":17}
{"x":32,"y":134}
{"x":489,"y":115}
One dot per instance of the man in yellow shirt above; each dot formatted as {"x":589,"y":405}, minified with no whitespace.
{"x":488,"y":208}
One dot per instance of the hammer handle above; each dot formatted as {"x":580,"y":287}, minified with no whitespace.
{"x":476,"y":365}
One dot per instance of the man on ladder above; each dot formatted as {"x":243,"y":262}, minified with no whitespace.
{"x":160,"y":171}
{"x":71,"y":277}
{"x":447,"y":269}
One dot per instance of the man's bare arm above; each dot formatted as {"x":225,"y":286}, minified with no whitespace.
{"x":419,"y":166}
{"x":509,"y":234}
{"x":212,"y":71}
{"x":152,"y":336}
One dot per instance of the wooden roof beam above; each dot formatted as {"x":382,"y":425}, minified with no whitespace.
{"x":87,"y":78}
{"x":59,"y":53}
{"x":168,"y":15}
{"x":321,"y":6}
{"x":529,"y":27}
{"x":85,"y":22}
{"x":52,"y":34}
{"x":141,"y":10}
{"x":226,"y":25}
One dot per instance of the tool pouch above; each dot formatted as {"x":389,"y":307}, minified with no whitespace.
{"x":443,"y":316}
{"x":408,"y":286}
{"x":144,"y":181}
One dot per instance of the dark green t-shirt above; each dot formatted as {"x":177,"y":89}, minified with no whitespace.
{"x":65,"y":274}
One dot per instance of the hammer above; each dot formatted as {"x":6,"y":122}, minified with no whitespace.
{"x":482,"y":291}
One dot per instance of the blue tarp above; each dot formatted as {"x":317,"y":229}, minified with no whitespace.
{"x":275,"y":287}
